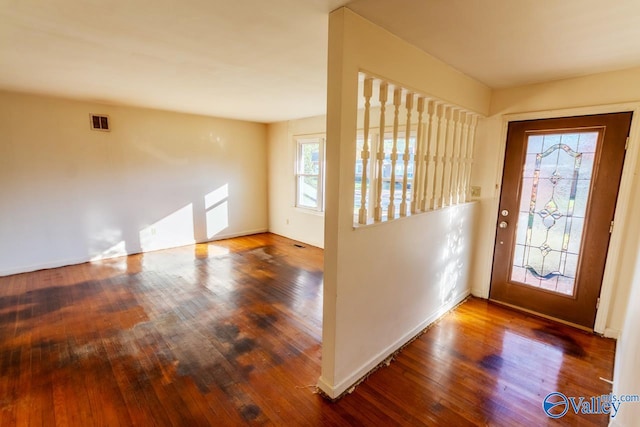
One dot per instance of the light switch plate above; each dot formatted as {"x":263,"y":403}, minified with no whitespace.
{"x":475,"y":192}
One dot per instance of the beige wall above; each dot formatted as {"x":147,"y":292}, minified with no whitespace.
{"x":627,"y":372}
{"x":383,"y":283}
{"x":158,"y":179}
{"x":597,"y":89}
{"x":284,"y":218}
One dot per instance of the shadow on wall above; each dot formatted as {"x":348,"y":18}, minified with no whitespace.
{"x":195,"y":222}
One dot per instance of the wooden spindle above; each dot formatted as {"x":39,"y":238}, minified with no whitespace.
{"x":466,"y":118}
{"x":416,"y":193}
{"x":446,"y":158}
{"x":438,"y":158}
{"x":364,"y":155}
{"x":384,"y":91}
{"x":407,"y":154}
{"x":455,"y":159}
{"x":469,"y":160}
{"x":443,"y":155}
{"x":431,"y":134}
{"x":397,"y":101}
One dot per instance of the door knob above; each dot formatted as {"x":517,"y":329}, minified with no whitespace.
{"x":503,"y":224}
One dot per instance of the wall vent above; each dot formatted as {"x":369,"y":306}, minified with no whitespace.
{"x":99,"y":122}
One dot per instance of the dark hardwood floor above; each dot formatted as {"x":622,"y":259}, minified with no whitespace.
{"x":228,"y":333}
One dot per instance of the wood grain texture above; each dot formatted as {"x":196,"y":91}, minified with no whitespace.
{"x":228,"y":333}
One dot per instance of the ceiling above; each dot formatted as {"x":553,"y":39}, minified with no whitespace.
{"x":265,"y":61}
{"x":248,"y":59}
{"x":505,"y":43}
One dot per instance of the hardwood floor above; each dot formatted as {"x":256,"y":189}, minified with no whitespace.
{"x":228,"y":333}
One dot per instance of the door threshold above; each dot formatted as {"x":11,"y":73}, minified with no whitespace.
{"x":544,"y":316}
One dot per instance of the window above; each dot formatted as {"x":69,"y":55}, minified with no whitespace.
{"x":310,"y":173}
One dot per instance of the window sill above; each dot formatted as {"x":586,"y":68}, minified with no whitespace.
{"x":309,"y":211}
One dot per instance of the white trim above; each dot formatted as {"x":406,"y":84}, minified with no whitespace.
{"x":82,"y":260}
{"x":570,"y":112}
{"x":484,"y":288}
{"x":614,"y":254}
{"x":232,"y":235}
{"x":335,"y":391}
{"x":317,"y":244}
{"x":308,"y":211}
{"x":624,"y":193}
{"x":45,"y":265}
{"x":321,"y":141}
{"x":326,"y":387}
{"x":612,"y":333}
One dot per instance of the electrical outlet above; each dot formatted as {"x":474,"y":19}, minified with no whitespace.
{"x":475,"y":192}
{"x":287,"y":220}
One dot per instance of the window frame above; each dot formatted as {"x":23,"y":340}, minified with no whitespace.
{"x":300,"y":141}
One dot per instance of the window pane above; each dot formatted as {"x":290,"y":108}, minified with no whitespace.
{"x":309,"y":162}
{"x":308,"y":191}
{"x":552,"y":209}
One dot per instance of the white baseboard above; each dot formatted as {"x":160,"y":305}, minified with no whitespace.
{"x":335,"y":391}
{"x":43,"y":266}
{"x":82,"y":260}
{"x":317,"y":244}
{"x":479,"y":293}
{"x":326,"y":387}
{"x":614,"y":423}
{"x":232,"y":235}
{"x":611,"y":333}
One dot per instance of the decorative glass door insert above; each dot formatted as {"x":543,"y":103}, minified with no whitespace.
{"x":554,"y":193}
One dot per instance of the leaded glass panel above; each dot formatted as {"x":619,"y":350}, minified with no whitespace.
{"x":554,"y":195}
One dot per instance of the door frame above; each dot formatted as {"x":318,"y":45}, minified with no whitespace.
{"x":622,"y":213}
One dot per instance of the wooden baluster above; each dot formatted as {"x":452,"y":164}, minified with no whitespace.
{"x":397,"y":101}
{"x":384,"y":91}
{"x":439,"y":137}
{"x":469,"y":160}
{"x":430,"y":125}
{"x":446,"y":157}
{"x":455,"y":159}
{"x":466,"y":117}
{"x":364,"y":155}
{"x":416,"y":186}
{"x":407,"y":153}
{"x":431,"y":134}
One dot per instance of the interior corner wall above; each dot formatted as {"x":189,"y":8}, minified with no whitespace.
{"x":626,"y":377}
{"x":285,"y":218}
{"x":69,"y":194}
{"x":384,"y":283}
{"x":614,"y":91}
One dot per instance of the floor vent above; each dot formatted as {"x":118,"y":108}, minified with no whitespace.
{"x":99,"y":122}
